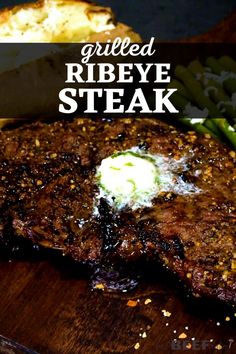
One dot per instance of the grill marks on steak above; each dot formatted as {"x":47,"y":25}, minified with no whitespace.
{"x":48,"y":191}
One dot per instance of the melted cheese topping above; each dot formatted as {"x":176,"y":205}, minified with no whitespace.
{"x":133,"y":179}
{"x":55,"y":21}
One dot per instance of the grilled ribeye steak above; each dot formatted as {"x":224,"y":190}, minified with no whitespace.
{"x":48,"y":192}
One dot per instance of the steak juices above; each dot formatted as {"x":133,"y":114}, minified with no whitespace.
{"x":50,"y":194}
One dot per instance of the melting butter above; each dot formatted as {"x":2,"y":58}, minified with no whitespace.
{"x":133,"y":178}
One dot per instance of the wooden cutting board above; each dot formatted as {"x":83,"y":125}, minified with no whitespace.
{"x":46,"y":304}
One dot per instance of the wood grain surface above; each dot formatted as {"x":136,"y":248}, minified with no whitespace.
{"x":46,"y":304}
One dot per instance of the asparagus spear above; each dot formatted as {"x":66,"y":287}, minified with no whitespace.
{"x":228,"y":131}
{"x":181,"y":102}
{"x":198,"y":127}
{"x":228,"y":63}
{"x":219,"y":96}
{"x":196,"y":90}
{"x":202,"y":101}
{"x":216,"y":126}
{"x":181,"y":89}
{"x":196,"y":67}
{"x":214,"y":65}
{"x":230,"y":85}
{"x":214,"y":88}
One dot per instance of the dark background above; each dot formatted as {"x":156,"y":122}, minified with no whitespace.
{"x":165,"y":19}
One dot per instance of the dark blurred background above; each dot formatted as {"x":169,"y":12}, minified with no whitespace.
{"x":165,"y":19}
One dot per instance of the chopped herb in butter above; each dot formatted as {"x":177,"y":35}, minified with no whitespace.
{"x":128,"y":178}
{"x":133,"y":178}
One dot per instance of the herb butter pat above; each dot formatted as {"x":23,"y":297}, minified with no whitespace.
{"x":133,"y":178}
{"x":128,"y":178}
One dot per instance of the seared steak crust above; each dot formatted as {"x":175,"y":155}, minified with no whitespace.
{"x":48,"y":190}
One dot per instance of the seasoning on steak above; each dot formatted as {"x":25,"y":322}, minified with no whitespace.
{"x":48,"y":190}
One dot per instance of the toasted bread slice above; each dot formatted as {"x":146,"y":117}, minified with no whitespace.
{"x":47,"y":21}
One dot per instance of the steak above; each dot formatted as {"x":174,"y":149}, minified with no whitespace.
{"x":49,"y":190}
